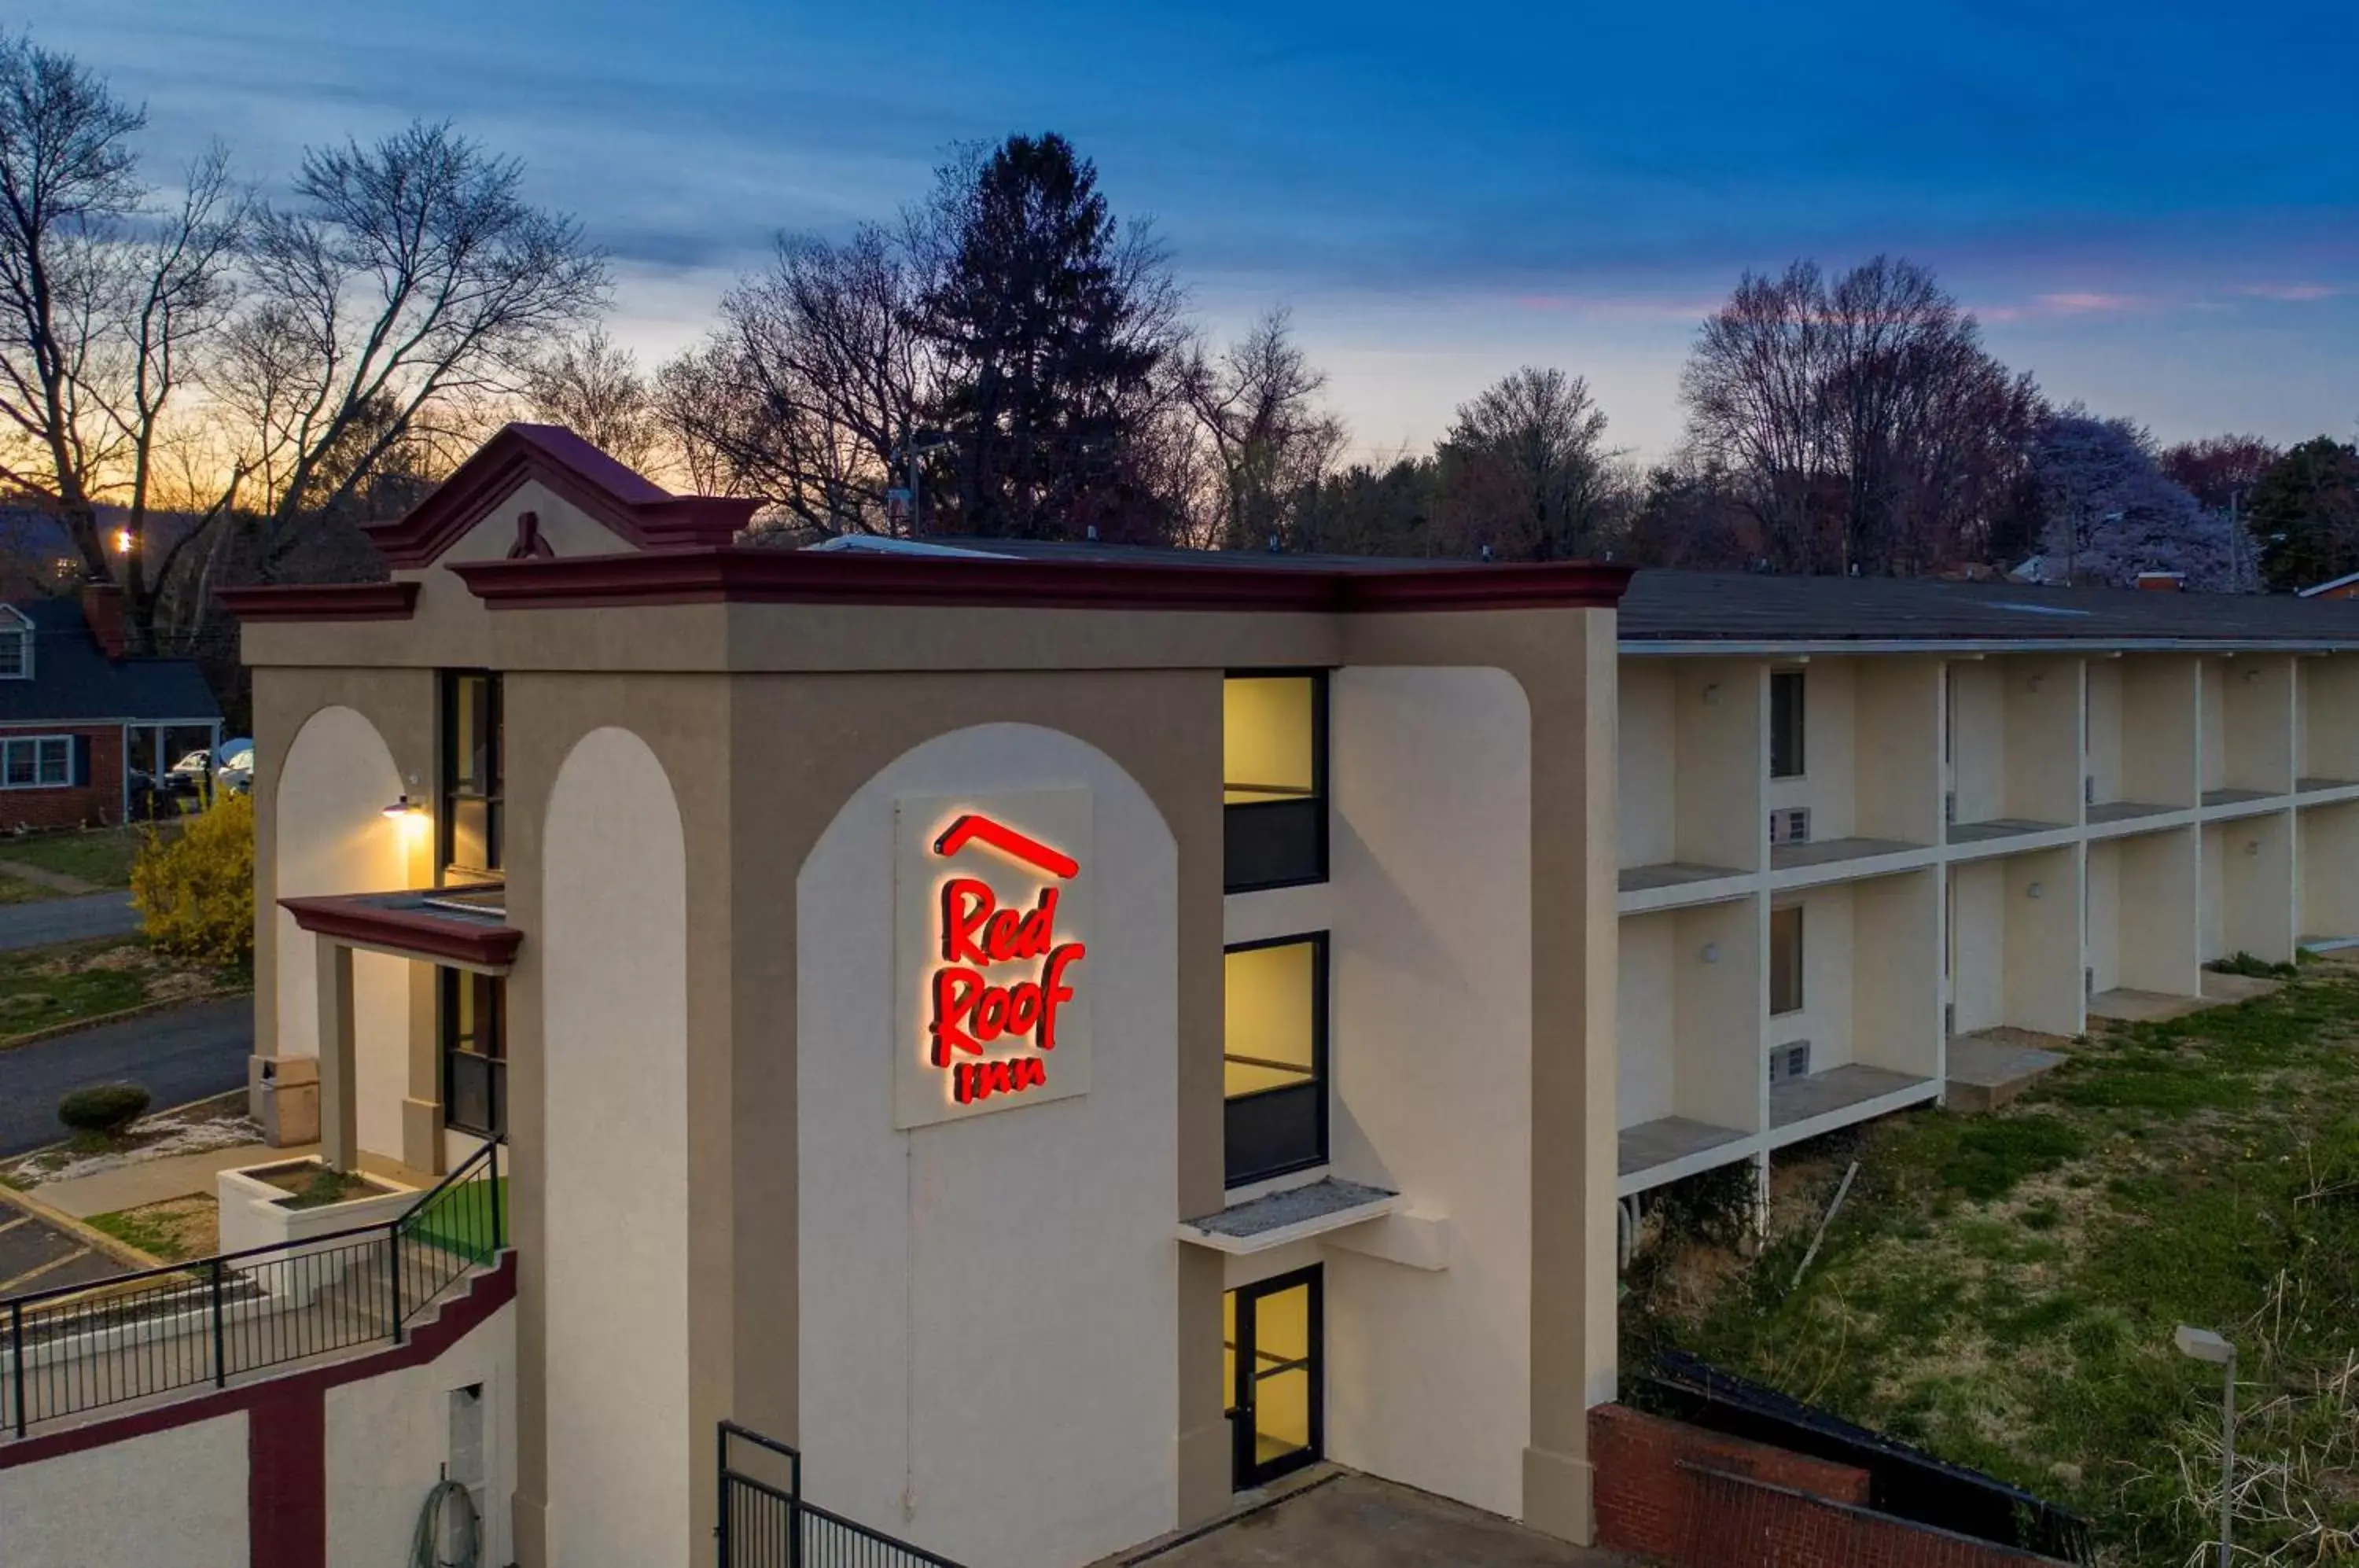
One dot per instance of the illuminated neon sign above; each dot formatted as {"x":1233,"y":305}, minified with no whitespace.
{"x":996,"y":892}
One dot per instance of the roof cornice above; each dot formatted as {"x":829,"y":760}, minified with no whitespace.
{"x":740,"y":575}
{"x":322,"y":601}
{"x":351,"y":919}
{"x":636,"y":510}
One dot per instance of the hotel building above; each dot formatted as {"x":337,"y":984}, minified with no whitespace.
{"x":1063,"y":1034}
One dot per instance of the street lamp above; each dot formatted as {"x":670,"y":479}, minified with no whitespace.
{"x":2203,"y":1344}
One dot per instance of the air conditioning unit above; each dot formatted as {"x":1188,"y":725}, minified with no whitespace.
{"x":1791,"y":825}
{"x":2088,"y":789}
{"x":1788,"y":1062}
{"x":1950,"y":806}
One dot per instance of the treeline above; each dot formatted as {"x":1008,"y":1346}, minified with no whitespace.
{"x":204,"y":387}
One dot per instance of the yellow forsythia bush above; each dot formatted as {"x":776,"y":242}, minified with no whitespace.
{"x":195,"y":890}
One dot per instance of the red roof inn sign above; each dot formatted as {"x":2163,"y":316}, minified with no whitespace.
{"x":992,"y":907}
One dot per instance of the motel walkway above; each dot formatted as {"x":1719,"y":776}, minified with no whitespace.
{"x":1340,"y":1518}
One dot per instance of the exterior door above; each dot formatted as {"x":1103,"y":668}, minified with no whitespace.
{"x":1271,"y":1335}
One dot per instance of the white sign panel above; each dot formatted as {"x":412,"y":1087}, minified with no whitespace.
{"x":991,"y":896}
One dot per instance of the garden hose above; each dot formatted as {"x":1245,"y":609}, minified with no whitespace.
{"x":447,"y":1520}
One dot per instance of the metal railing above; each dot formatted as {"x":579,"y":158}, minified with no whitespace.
{"x":765,"y":1524}
{"x":77,"y":1348}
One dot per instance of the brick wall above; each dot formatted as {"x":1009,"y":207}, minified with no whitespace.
{"x":1677,"y":1494}
{"x":95,"y":804}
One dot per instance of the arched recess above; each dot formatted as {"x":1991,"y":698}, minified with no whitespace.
{"x":330,"y":835}
{"x":989,"y":1301}
{"x":613,"y":1072}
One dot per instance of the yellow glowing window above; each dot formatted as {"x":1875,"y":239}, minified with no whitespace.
{"x":1274,"y":1017}
{"x":1269,"y":738}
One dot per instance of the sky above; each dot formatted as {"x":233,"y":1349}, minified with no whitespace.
{"x":2152,"y":207}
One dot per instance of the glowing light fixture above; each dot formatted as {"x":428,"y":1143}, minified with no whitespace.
{"x":122,"y":542}
{"x":403,"y":809}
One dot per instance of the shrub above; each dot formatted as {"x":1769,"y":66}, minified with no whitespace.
{"x":195,"y":890}
{"x":107,"y":1108}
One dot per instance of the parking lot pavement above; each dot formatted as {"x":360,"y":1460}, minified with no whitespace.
{"x":36,"y":1255}
{"x":188,"y":1053}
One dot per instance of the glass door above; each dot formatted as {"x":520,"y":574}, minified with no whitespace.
{"x":1270,"y":1335}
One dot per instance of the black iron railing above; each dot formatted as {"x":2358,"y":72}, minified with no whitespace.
{"x":77,"y":1348}
{"x":766,"y":1524}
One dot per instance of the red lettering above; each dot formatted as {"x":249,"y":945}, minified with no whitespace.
{"x":1054,"y":991}
{"x":1039,"y":933}
{"x":972,"y":1080}
{"x":967,"y":906}
{"x":956,"y":992}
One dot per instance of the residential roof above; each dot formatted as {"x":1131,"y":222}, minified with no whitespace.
{"x":1739,"y":607}
{"x":2315,"y":589}
{"x":74,"y":682}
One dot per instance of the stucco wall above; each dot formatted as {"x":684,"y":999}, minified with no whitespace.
{"x":2256,"y":884}
{"x":1428,"y":1381}
{"x":1896,"y":1018}
{"x":175,"y":1498}
{"x":388,"y":1441}
{"x":1648,"y":760}
{"x":986,"y":1304}
{"x":1643,"y":1087}
{"x":1825,"y":1016}
{"x":2158,"y":914}
{"x":333,"y":837}
{"x":1829,"y":731}
{"x":1977,"y":936}
{"x":1977,"y":739}
{"x":2329,"y":890}
{"x":614,"y":966}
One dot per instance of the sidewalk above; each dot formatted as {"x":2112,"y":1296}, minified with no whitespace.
{"x":154,"y":1180}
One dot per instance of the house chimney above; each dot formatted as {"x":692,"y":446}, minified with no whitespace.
{"x":2162,"y":582}
{"x":102,"y":606}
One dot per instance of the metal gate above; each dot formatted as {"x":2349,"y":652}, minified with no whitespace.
{"x":766,"y":1524}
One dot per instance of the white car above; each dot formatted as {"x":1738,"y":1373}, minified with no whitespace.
{"x":235,"y":773}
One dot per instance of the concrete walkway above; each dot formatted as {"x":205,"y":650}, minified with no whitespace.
{"x":1344,"y":1519}
{"x":48,"y":920}
{"x":157,"y":1181}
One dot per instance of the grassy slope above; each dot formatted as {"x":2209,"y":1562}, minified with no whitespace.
{"x":2001,"y":1288}
{"x":101,"y":858}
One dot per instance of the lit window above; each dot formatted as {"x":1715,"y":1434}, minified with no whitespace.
{"x":474,"y":1052}
{"x":36,"y":762}
{"x":1273,"y":1058}
{"x":1786,"y":960}
{"x":1785,"y":722}
{"x":471,"y":803}
{"x":1274,"y":779}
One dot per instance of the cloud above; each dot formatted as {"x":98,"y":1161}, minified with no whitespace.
{"x":2087,"y":301}
{"x":2291,"y":293}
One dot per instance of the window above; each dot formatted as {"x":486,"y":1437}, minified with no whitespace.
{"x":472,"y":740}
{"x":41,"y":762}
{"x":1785,"y":722}
{"x":1273,"y":1058}
{"x":474,"y":1052}
{"x":15,"y":653}
{"x":1274,"y":779}
{"x":1786,"y":960}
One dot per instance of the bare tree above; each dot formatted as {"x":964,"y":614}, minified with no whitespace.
{"x":1869,"y":428}
{"x":1525,"y":469}
{"x":408,"y":277}
{"x":593,"y":386}
{"x":106,"y":304}
{"x":1256,"y":405}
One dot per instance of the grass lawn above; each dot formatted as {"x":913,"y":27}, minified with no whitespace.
{"x":2001,"y":1288}
{"x":169,"y":1231}
{"x":102,"y":857}
{"x":41,"y":989}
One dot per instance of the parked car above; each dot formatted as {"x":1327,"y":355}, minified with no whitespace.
{"x":235,"y":773}
{"x":188,"y":775}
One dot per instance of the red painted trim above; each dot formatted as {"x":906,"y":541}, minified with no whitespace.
{"x":287,"y":1476}
{"x":740,"y":575}
{"x":458,"y":1318}
{"x":641,"y":513}
{"x":429,"y":936}
{"x":322,"y":601}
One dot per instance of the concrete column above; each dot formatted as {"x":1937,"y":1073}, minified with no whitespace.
{"x":339,"y":1101}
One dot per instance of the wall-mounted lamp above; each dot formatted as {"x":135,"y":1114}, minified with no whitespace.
{"x":2252,"y":675}
{"x":402,"y":809}
{"x":2035,"y":683}
{"x":2252,"y":846}
{"x":1712,"y":695}
{"x":1711,"y":954}
{"x":2036,"y":890}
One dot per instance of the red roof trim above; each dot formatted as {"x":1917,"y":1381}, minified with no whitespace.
{"x":751,"y":575}
{"x":323,"y":602}
{"x":354,"y":918}
{"x":641,"y":513}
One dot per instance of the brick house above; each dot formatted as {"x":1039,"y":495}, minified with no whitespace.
{"x":75,"y":711}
